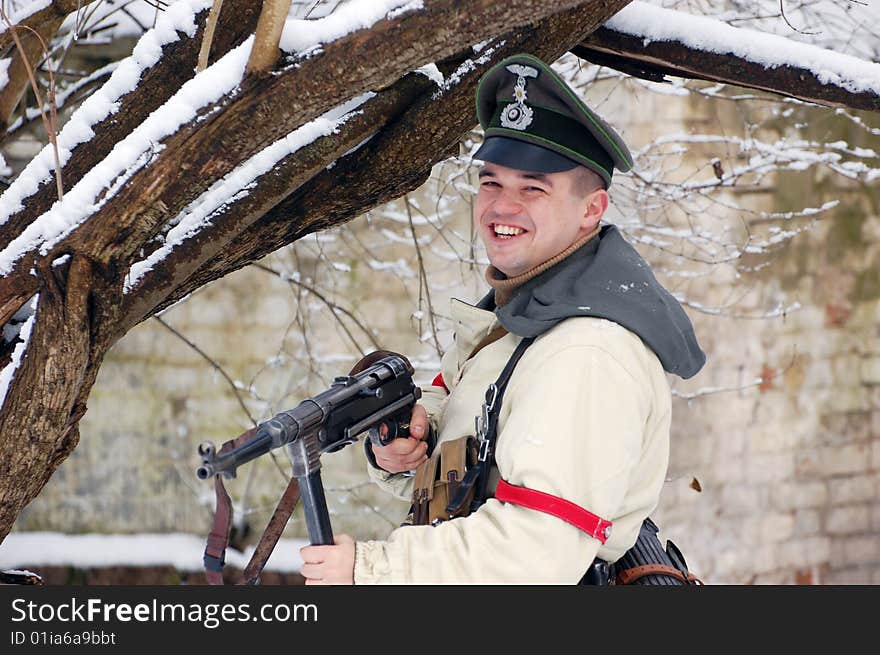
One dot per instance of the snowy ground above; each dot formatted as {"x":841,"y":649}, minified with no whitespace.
{"x":182,"y":551}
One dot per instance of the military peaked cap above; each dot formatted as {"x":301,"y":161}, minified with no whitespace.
{"x":532,"y":120}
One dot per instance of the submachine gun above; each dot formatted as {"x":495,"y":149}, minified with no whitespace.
{"x":380,"y":393}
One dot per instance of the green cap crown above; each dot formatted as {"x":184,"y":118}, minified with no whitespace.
{"x":522,"y":98}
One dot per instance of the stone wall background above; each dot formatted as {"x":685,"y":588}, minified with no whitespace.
{"x":781,"y":436}
{"x":789,"y":466}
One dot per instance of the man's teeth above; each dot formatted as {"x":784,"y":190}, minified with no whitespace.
{"x":508,"y":230}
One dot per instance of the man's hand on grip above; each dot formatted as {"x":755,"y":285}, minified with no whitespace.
{"x":405,"y":454}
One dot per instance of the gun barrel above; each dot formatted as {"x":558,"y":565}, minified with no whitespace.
{"x":214,"y":463}
{"x":311,"y":415}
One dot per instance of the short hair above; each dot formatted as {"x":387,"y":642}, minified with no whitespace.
{"x":586,"y":181}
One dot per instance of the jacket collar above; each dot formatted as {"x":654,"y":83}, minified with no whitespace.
{"x":472,"y":325}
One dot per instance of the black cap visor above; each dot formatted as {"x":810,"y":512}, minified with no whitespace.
{"x":523,"y":156}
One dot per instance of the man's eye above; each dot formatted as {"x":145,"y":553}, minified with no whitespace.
{"x":535,"y":188}
{"x":489,"y":183}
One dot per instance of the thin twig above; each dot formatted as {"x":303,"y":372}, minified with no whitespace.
{"x":213,"y":363}
{"x":331,"y":305}
{"x":51,"y":122}
{"x":757,"y":382}
{"x":785,"y":18}
{"x":423,"y":279}
{"x":226,"y":377}
{"x":208,"y":38}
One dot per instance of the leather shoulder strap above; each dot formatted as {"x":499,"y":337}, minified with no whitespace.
{"x":488,"y":421}
{"x":628,"y":576}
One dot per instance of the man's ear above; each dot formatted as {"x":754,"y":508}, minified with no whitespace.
{"x":597,"y":203}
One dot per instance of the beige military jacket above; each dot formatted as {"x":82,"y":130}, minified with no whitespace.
{"x":586,"y":417}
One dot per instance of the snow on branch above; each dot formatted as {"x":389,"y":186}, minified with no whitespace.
{"x":306,"y":36}
{"x":178,"y":19}
{"x":651,"y":42}
{"x":19,"y":330}
{"x":240,"y":181}
{"x":128,"y":156}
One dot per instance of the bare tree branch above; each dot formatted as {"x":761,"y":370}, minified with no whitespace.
{"x":29,"y":49}
{"x":156,"y":86}
{"x":56,"y":12}
{"x":629,"y":54}
{"x":27,"y":53}
{"x":333,"y":307}
{"x":208,"y":37}
{"x":216,"y":366}
{"x":265,"y":53}
{"x":423,"y":280}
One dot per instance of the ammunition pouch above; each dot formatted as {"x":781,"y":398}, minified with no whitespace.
{"x":443,"y":486}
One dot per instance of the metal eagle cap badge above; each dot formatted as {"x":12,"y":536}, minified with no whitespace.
{"x":518,"y":116}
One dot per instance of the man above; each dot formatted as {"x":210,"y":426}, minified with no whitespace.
{"x":585,"y":419}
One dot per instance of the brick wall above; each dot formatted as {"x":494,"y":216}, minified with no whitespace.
{"x":790,"y":466}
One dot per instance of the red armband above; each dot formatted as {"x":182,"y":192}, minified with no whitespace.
{"x":438,"y":382}
{"x":593,"y":525}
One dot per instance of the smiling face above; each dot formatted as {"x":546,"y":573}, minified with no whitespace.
{"x":526,"y":218}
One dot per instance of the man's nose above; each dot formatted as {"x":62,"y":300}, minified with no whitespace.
{"x":505,"y":203}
